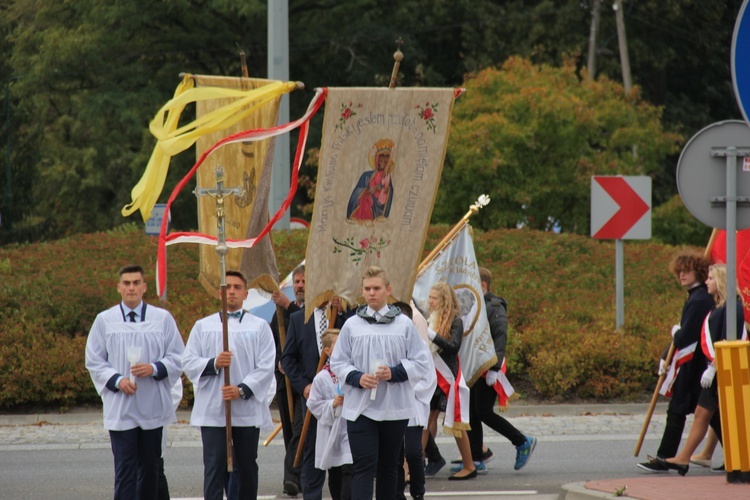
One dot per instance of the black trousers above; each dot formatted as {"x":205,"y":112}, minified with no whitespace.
{"x":311,"y":478}
{"x":411,"y":450}
{"x":292,"y":428}
{"x":670,"y":440}
{"x":340,"y":482}
{"x":244,"y":459}
{"x":375,"y":448}
{"x":163,"y":485}
{"x":481,"y":410}
{"x":431,"y":450}
{"x":136,"y":452}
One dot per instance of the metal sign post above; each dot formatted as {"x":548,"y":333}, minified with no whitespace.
{"x":620,"y":209}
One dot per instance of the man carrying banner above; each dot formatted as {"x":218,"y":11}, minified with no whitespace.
{"x":300,"y":361}
{"x":484,"y":392}
{"x":684,"y":374}
{"x":291,"y":474}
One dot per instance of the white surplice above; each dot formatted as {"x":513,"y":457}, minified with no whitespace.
{"x":332,"y":441}
{"x":396,"y":342}
{"x":254,"y":354}
{"x":106,"y":356}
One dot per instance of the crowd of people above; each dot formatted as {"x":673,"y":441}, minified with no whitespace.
{"x":358,"y":388}
{"x":691,"y":376}
{"x":359,"y":391}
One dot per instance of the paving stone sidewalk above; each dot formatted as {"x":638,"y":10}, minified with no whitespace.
{"x":553,"y":423}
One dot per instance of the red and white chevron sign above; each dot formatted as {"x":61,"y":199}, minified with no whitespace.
{"x":621,"y":207}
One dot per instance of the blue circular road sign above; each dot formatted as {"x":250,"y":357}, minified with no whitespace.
{"x":741,"y":60}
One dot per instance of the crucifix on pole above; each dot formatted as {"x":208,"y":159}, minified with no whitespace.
{"x":220,"y":193}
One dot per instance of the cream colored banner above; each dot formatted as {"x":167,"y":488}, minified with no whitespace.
{"x":380,"y":165}
{"x":245,"y":164}
{"x":457,"y":266}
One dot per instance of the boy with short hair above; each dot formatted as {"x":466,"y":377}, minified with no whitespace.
{"x":332,"y":450}
{"x":378,"y":344}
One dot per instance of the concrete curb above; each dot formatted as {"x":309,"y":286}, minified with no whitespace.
{"x":578,"y":491}
{"x":92,"y":416}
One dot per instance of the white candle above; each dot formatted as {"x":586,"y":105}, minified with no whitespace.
{"x":134,"y":355}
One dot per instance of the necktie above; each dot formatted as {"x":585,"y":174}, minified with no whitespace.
{"x":236,"y":314}
{"x":323,"y":327}
{"x":131,"y":315}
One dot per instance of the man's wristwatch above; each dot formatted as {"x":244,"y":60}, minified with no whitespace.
{"x":242,"y":392}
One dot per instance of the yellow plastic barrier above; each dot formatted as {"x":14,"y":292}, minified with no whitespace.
{"x":733,"y":363}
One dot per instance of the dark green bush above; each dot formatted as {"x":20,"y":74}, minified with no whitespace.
{"x":560,"y":287}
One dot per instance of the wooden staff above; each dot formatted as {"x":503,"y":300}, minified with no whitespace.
{"x":282,"y":341}
{"x":482,"y":201}
{"x":667,"y":362}
{"x":269,"y":285}
{"x":272,"y":435}
{"x":654,"y":398}
{"x":398,"y":56}
{"x":227,"y":403}
{"x":332,"y":313}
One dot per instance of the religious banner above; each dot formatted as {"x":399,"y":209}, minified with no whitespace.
{"x":457,"y":266}
{"x":380,"y":164}
{"x":247,"y":164}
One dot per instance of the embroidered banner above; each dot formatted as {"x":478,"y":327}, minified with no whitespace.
{"x":457,"y":265}
{"x":381,"y":158}
{"x":246,"y":164}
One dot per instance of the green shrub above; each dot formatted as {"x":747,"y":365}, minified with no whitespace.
{"x":560,"y":287}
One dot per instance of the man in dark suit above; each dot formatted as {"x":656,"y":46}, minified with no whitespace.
{"x":300,"y":364}
{"x":291,"y":474}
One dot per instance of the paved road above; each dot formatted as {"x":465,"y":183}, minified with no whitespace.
{"x":576,"y":443}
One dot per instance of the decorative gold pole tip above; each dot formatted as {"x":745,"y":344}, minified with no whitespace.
{"x":481,"y":202}
{"x":300,"y":86}
{"x":398,"y":56}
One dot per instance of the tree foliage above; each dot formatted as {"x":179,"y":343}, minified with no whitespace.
{"x":83,"y":78}
{"x":531,"y":136}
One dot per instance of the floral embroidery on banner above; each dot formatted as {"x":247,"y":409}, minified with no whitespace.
{"x":367,"y":246}
{"x":346,"y":112}
{"x":427,"y":113}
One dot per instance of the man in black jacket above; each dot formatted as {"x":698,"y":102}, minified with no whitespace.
{"x":483,"y":395}
{"x":691,"y":270}
{"x":291,"y":474}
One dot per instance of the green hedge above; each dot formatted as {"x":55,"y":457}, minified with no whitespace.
{"x":560,"y":287}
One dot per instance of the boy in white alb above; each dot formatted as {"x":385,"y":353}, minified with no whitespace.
{"x":378,"y":344}
{"x":250,"y":361}
{"x":133,"y":353}
{"x":332,"y":450}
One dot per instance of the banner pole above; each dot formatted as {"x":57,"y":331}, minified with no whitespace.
{"x":481,"y":202}
{"x":667,"y":362}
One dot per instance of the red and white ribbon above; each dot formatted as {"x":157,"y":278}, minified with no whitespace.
{"x":455,"y":388}
{"x":502,"y":387}
{"x":679,"y":358}
{"x":707,"y":342}
{"x":302,"y":123}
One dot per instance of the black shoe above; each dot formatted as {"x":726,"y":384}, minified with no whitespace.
{"x":487,"y":456}
{"x":720,"y":469}
{"x":470,"y":475}
{"x":653,"y":466}
{"x":433,"y":468}
{"x":291,"y":488}
{"x":681,"y":469}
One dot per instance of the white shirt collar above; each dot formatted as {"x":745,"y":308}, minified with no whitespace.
{"x":371,"y":312}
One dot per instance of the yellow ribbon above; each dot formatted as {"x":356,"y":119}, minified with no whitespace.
{"x":172,"y":140}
